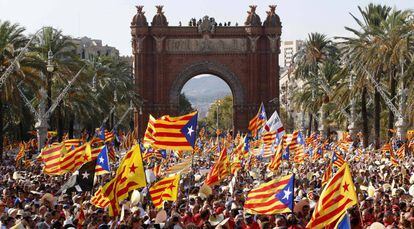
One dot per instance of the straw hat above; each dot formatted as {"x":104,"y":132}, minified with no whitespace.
{"x":215,"y":219}
{"x":386,"y":186}
{"x":205,"y":191}
{"x":48,"y":197}
{"x":12,"y":212}
{"x":223,"y":223}
{"x":161,"y":216}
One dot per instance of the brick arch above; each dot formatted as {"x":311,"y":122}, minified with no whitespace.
{"x":166,"y":57}
{"x":207,"y":67}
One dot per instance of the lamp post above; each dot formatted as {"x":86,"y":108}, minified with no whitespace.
{"x":218,"y":104}
{"x":352,"y":121}
{"x":42,"y":123}
{"x":401,"y":124}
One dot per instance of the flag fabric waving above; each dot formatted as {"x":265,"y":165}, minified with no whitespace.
{"x":102,"y":162}
{"x":337,"y":159}
{"x":130,"y":175}
{"x":149,"y":132}
{"x":165,"y":190}
{"x":337,"y":196}
{"x":86,"y":176}
{"x":275,"y":124}
{"x":51,"y":158}
{"x":344,"y":222}
{"x":258,"y":121}
{"x":277,"y":158}
{"x":272,"y":197}
{"x":175,"y":133}
{"x":21,"y":152}
{"x":219,"y":170}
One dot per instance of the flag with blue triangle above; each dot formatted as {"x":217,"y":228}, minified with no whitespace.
{"x":102,"y":162}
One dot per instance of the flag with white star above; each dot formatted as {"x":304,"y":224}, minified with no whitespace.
{"x":86,"y":175}
{"x":273,"y":197}
{"x":175,"y":133}
{"x":102,"y":162}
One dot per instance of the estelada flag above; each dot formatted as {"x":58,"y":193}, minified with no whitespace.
{"x":51,"y":156}
{"x":129,"y":176}
{"x":175,"y":133}
{"x":220,"y":169}
{"x":165,"y":190}
{"x":338,"y":195}
{"x":273,"y":197}
{"x":258,"y":121}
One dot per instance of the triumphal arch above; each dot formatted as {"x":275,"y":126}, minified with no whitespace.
{"x":245,"y":56}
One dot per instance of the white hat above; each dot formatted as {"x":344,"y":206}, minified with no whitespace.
{"x":412,"y":179}
{"x":215,"y":219}
{"x":411,"y":190}
{"x":377,"y":225}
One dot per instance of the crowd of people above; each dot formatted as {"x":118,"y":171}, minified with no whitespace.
{"x":31,"y":199}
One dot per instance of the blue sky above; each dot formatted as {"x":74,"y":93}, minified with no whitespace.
{"x":109,"y":20}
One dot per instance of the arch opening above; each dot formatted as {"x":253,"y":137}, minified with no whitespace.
{"x":222,"y":74}
{"x":212,"y":97}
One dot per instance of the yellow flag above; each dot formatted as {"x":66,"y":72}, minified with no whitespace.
{"x":338,"y":195}
{"x":165,"y":190}
{"x":129,"y":176}
{"x":132,"y":173}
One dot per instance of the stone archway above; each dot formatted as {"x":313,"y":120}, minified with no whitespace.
{"x":207,"y":67}
{"x":245,"y":57}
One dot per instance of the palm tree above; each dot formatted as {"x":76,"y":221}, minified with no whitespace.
{"x":393,"y":46}
{"x":364,"y":53}
{"x":11,"y":42}
{"x":317,"y":49}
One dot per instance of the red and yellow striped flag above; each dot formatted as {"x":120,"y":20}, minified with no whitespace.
{"x":220,"y":169}
{"x":276,"y":161}
{"x":268,"y":143}
{"x":149,"y":132}
{"x":258,"y":121}
{"x":165,"y":190}
{"x":393,"y":159}
{"x":99,"y":199}
{"x":76,"y":142}
{"x":74,"y":159}
{"x":327,"y":174}
{"x":175,"y":133}
{"x":401,"y":152}
{"x":272,"y":197}
{"x":337,"y":196}
{"x":130,"y":175}
{"x":51,"y":158}
{"x":337,"y":159}
{"x":21,"y":152}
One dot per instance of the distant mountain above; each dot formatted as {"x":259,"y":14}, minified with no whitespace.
{"x":203,"y":90}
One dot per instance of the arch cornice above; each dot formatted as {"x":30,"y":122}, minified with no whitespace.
{"x":207,"y":67}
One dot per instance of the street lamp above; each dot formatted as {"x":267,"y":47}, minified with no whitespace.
{"x":42,"y":122}
{"x":218,"y":104}
{"x":49,"y":66}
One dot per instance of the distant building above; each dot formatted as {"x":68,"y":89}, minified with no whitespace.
{"x":288,"y":83}
{"x":88,"y":48}
{"x":288,"y":51}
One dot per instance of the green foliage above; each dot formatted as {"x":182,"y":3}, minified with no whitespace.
{"x":225,"y":115}
{"x":184,"y":105}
